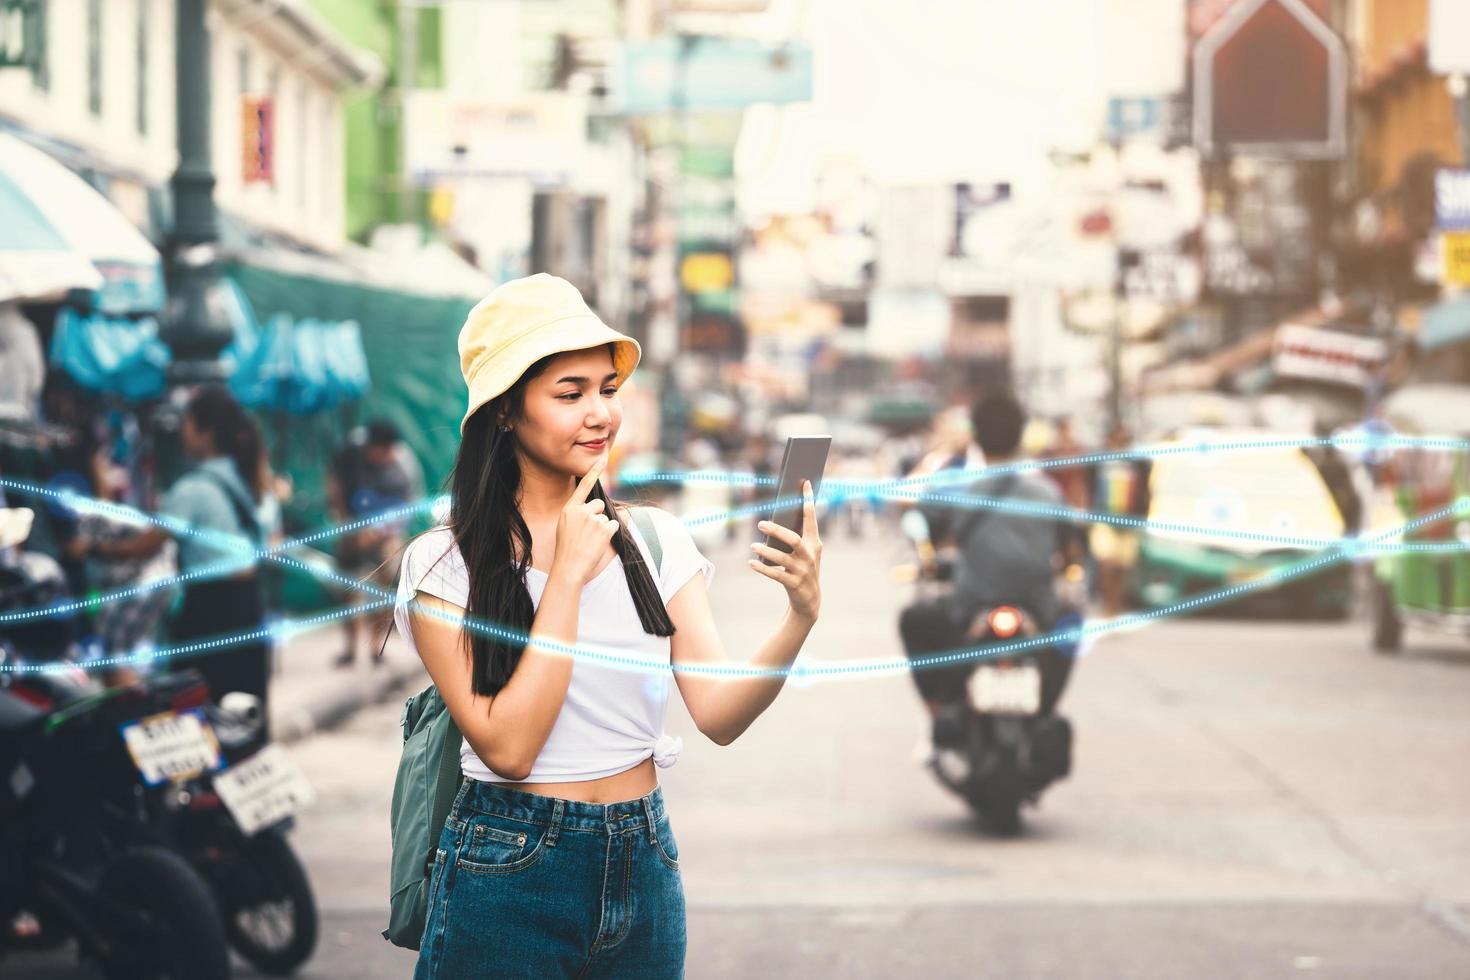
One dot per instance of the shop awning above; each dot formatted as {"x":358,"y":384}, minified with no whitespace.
{"x":60,"y":234}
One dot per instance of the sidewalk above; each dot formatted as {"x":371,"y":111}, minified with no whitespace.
{"x":308,"y":694}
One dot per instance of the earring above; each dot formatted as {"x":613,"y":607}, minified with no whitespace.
{"x":505,"y":428}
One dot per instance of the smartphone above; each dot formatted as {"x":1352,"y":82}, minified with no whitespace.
{"x":805,"y":459}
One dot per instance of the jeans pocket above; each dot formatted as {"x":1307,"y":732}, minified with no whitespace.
{"x":666,"y":845}
{"x":499,"y":845}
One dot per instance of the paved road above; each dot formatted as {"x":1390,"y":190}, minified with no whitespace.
{"x":1249,"y":800}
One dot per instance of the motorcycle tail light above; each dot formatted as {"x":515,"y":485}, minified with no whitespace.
{"x":193,"y":696}
{"x":34,"y":698}
{"x":1004,"y":621}
{"x":204,"y":801}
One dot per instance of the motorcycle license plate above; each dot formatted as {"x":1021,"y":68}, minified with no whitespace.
{"x":172,"y":745}
{"x":1006,"y":690}
{"x":263,"y":789}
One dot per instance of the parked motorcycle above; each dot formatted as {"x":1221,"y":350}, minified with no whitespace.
{"x":997,"y":741}
{"x":138,"y":911}
{"x":205,"y":784}
{"x":232,"y":825}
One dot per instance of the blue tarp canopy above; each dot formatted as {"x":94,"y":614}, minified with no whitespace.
{"x":294,"y":365}
{"x":113,"y":355}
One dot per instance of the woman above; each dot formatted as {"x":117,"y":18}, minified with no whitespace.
{"x":558,"y":858}
{"x":219,"y":496}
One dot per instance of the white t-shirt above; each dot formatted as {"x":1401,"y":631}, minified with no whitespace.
{"x":613,"y":717}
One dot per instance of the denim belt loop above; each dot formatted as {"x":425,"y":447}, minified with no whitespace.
{"x":456,"y":812}
{"x":557,"y":809}
{"x":648,"y":812}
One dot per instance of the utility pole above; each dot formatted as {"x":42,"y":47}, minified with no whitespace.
{"x":406,"y":81}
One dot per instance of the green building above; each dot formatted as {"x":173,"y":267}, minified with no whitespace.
{"x":406,"y":38}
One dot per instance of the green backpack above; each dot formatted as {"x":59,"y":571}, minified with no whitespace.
{"x":428,"y":780}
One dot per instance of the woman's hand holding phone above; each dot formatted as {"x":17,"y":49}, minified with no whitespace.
{"x":582,"y":531}
{"x":800,"y":571}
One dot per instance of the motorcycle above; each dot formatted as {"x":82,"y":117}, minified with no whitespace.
{"x":996,"y":740}
{"x":208,"y":787}
{"x":232,"y":825}
{"x":138,"y":911}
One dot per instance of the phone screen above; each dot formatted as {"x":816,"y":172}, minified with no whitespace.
{"x":805,"y":459}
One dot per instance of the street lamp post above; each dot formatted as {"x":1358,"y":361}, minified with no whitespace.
{"x":197,"y":324}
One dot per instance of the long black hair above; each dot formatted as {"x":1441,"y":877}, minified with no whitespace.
{"x":495,"y":541}
{"x":216,"y":412}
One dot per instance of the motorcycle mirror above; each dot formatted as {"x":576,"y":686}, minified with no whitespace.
{"x":15,"y":525}
{"x":245,"y":707}
{"x":914,"y":526}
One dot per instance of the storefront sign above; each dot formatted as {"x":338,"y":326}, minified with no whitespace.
{"x":1457,"y":258}
{"x":257,"y":139}
{"x":540,"y":136}
{"x":710,"y":73}
{"x":1326,"y":355}
{"x":1452,"y":199}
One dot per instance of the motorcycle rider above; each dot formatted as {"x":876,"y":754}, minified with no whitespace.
{"x":1003,"y":558}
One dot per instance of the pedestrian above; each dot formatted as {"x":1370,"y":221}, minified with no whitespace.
{"x":1120,"y":489}
{"x":374,"y":473}
{"x":1072,"y":481}
{"x":558,"y":857}
{"x":219,"y":496}
{"x":126,"y":626}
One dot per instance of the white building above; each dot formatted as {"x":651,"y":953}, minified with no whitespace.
{"x":508,"y":144}
{"x":103,"y":100}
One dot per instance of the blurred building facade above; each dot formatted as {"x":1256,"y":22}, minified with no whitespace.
{"x":102,"y":99}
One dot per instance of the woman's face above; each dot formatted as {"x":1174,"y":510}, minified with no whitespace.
{"x":196,"y":444}
{"x":571,"y":413}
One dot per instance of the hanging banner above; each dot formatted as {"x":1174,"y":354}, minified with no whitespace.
{"x":257,"y":139}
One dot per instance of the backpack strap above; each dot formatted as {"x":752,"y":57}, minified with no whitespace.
{"x":646,"y":528}
{"x":447,"y":785}
{"x":244,"y":514}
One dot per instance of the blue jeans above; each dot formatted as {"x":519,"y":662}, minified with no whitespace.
{"x":533,"y":886}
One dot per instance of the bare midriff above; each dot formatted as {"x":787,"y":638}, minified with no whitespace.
{"x":629,"y":784}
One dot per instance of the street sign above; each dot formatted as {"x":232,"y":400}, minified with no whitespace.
{"x":1457,"y":258}
{"x":1270,"y":80}
{"x":1452,"y":199}
{"x":22,"y":33}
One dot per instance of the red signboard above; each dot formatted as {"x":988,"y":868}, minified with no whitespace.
{"x":1270,"y":80}
{"x":257,"y":139}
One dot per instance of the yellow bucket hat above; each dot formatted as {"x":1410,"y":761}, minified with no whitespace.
{"x":524,"y":320}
